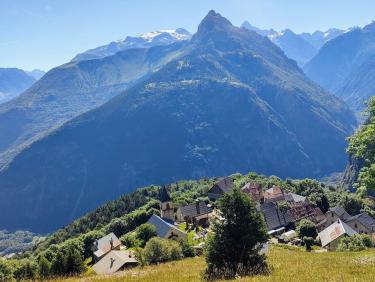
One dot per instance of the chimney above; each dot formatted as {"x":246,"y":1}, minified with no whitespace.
{"x":197,"y":207}
{"x":111,"y":242}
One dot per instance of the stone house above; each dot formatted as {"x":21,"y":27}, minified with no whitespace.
{"x":254,"y":190}
{"x":362,"y":223}
{"x":218,"y":189}
{"x":195,"y":213}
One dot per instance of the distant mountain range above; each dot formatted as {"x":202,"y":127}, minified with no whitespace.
{"x":299,"y":47}
{"x":226,"y":101}
{"x":14,"y":81}
{"x":70,"y":90}
{"x":346,"y":66}
{"x":151,"y":39}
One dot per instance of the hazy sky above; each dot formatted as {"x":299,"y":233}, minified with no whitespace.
{"x":46,"y":33}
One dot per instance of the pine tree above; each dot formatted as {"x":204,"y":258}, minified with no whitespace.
{"x":233,"y":248}
{"x":44,"y":267}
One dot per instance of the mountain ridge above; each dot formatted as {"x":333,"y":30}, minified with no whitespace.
{"x":299,"y":47}
{"x":345,"y":66}
{"x":147,"y":40}
{"x":230,"y":101}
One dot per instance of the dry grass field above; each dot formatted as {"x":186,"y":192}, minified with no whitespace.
{"x":288,"y":264}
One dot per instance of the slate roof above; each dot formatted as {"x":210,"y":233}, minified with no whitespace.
{"x":340,"y":212}
{"x":334,"y":231}
{"x":195,"y":209}
{"x":296,"y":198}
{"x":113,"y":261}
{"x":104,"y":244}
{"x":162,"y":226}
{"x":365,"y":219}
{"x":273,"y":216}
{"x":225,"y":185}
{"x":164,"y":195}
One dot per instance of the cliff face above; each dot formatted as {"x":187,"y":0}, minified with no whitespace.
{"x":351,"y":173}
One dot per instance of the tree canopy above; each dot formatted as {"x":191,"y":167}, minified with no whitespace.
{"x":362,"y":146}
{"x":234,"y":247}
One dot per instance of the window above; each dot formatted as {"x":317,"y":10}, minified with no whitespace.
{"x":355,"y":225}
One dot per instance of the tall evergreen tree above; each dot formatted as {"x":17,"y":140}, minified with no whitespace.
{"x":233,"y":248}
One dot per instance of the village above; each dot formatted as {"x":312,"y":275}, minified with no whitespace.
{"x":282,"y":212}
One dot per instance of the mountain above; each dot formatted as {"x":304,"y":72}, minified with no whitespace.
{"x":151,"y":39}
{"x":299,"y":47}
{"x":264,"y":32}
{"x":13,"y":81}
{"x":231,"y":101}
{"x":346,"y":66}
{"x":37,"y":74}
{"x":319,"y":38}
{"x":294,"y":46}
{"x":71,"y":89}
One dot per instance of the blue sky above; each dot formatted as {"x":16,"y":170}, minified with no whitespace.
{"x":46,"y":33}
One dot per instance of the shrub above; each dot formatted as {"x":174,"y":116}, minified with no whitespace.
{"x":26,"y":269}
{"x":187,"y":248}
{"x":44,"y":267}
{"x":145,"y":232}
{"x":306,"y":228}
{"x":308,"y":242}
{"x":69,"y":258}
{"x":358,"y":242}
{"x":88,"y":240}
{"x":161,"y":250}
{"x":233,"y":248}
{"x":130,"y":240}
{"x":351,"y":203}
{"x":6,"y":271}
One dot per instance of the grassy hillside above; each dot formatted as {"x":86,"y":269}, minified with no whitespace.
{"x":288,"y":264}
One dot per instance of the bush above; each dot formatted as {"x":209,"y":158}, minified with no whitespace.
{"x":358,"y":242}
{"x":306,"y":228}
{"x":233,"y":248}
{"x":26,"y":269}
{"x":88,"y":240}
{"x":161,"y":250}
{"x":145,"y":232}
{"x":308,"y":242}
{"x":130,"y":240}
{"x":6,"y":271}
{"x":352,"y":204}
{"x":187,"y":248}
{"x":69,"y":258}
{"x":44,"y":267}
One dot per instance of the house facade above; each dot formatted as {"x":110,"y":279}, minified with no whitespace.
{"x":195,"y":213}
{"x":362,"y":223}
{"x":254,"y":190}
{"x":332,"y":215}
